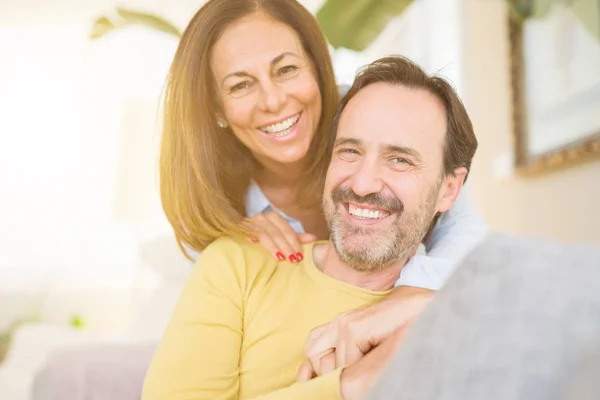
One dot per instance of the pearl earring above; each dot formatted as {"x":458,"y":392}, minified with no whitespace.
{"x":221,"y":124}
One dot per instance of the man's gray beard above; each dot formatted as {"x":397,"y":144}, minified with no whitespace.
{"x":377,"y":251}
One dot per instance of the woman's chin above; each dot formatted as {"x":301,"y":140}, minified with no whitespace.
{"x":287,"y":156}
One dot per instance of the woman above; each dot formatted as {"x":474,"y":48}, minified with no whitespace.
{"x":228,"y":152}
{"x":250,"y":102}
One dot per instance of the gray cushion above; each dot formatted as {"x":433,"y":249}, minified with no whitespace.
{"x":519,"y":319}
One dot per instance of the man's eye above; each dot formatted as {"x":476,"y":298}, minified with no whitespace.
{"x":401,"y":164}
{"x":287,"y":70}
{"x":348,"y":154}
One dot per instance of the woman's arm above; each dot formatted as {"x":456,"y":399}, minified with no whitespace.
{"x":457,"y":232}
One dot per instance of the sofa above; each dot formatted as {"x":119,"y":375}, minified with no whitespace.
{"x":49,"y":360}
{"x":519,"y":319}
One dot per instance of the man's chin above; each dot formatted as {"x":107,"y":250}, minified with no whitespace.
{"x":355,"y":247}
{"x":357,"y":242}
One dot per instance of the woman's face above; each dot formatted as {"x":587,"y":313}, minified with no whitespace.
{"x":268,"y":88}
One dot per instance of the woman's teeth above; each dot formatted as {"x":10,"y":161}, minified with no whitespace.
{"x":281,"y":128}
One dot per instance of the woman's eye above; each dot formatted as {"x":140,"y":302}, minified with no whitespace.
{"x":287,"y":70}
{"x":239,"y":86}
{"x":399,"y":160}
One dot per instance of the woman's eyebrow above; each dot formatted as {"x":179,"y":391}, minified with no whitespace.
{"x":243,"y":74}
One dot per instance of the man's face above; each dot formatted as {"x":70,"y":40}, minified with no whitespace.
{"x":385,"y":182}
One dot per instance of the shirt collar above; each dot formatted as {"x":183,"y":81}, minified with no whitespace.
{"x":256,"y":201}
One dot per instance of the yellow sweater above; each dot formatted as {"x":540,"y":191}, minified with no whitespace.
{"x":241,"y":324}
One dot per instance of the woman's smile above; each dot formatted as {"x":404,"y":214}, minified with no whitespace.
{"x":285,"y":130}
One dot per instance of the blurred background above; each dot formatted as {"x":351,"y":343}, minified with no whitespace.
{"x":86,"y":255}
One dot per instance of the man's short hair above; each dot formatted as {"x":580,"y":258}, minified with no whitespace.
{"x":460,"y":143}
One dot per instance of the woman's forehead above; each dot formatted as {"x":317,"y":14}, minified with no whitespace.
{"x":254,"y":40}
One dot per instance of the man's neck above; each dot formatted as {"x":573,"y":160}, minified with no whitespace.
{"x":327,"y":260}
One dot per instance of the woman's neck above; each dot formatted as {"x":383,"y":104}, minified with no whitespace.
{"x":279,"y":176}
{"x":280,"y":184}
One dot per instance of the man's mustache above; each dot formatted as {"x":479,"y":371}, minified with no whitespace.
{"x":345,"y":194}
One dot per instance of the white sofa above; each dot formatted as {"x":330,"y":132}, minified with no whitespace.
{"x":47,"y":360}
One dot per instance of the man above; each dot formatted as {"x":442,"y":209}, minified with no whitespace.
{"x":402,"y":151}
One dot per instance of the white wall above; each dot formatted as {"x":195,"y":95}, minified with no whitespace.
{"x":559,"y":205}
{"x":78,"y":146}
{"x":467,"y":40}
{"x":79,"y":206}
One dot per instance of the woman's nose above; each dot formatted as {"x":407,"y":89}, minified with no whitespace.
{"x":272,"y":97}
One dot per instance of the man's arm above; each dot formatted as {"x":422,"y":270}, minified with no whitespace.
{"x":458,"y":231}
{"x":353,"y":334}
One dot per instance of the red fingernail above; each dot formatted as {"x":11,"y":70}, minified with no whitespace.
{"x":254,"y":239}
{"x":280,"y":256}
{"x":300,"y":256}
{"x":293,"y":258}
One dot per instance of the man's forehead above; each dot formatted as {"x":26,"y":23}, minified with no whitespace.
{"x":389,"y":114}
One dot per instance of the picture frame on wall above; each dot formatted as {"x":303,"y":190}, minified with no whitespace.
{"x":555,"y":79}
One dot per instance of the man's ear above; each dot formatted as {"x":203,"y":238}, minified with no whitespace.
{"x":450,"y":189}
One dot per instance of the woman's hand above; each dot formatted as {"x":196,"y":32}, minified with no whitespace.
{"x":276,"y":234}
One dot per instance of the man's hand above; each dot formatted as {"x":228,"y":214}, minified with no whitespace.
{"x":358,"y":379}
{"x":351,"y":335}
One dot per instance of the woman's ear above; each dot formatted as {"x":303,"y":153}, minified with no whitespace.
{"x":450,"y":189}
{"x":222,"y":122}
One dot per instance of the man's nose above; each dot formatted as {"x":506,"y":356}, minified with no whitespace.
{"x":367,"y":178}
{"x":272,"y":97}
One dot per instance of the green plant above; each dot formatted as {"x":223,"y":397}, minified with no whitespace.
{"x":350,"y":24}
{"x":7,"y":335}
{"x":123,"y":18}
{"x":586,"y":11}
{"x":355,"y":24}
{"x":77,"y":321}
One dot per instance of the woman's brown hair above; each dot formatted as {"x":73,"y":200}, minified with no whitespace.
{"x":205,"y":170}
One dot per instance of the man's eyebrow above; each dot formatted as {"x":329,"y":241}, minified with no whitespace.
{"x":273,"y":62}
{"x":347,"y":141}
{"x":403,"y":150}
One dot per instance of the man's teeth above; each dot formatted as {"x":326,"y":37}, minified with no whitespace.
{"x":281,"y":128}
{"x":366,"y":213}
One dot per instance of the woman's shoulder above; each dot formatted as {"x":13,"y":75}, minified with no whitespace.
{"x":234,"y":246}
{"x":247,"y":259}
